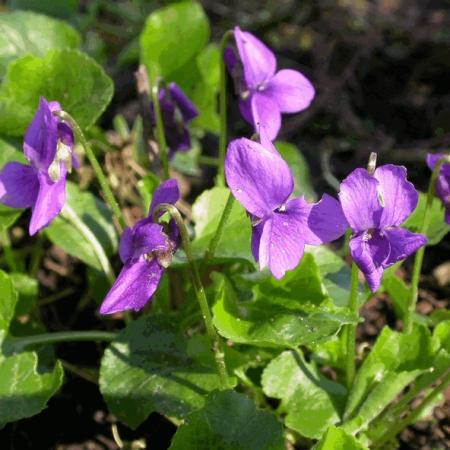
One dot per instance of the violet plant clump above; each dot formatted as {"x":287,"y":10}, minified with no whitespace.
{"x":177,"y":112}
{"x":146,"y":251}
{"x":262,"y":182}
{"x":41,"y":185}
{"x":259,"y":290}
{"x":264,"y":93}
{"x":375,"y":205}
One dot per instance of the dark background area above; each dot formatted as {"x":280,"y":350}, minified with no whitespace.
{"x":381,"y":70}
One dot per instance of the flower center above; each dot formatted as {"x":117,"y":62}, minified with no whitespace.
{"x":63,"y":156}
{"x":261,"y":86}
{"x":245,"y":94}
{"x":164,"y":257}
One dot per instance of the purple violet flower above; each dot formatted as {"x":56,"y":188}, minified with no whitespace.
{"x":375,"y":206}
{"x":177,"y":112}
{"x":443,"y":181}
{"x":264,"y":94}
{"x":146,"y":251}
{"x":41,"y":186}
{"x":262,"y":182}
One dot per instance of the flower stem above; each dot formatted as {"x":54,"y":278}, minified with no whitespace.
{"x":8,"y":251}
{"x":220,"y":227}
{"x":199,"y":290}
{"x":351,"y":328}
{"x":418,"y":260}
{"x":220,"y":181}
{"x":416,"y":413}
{"x":70,"y":215}
{"x":20,"y":343}
{"x":160,"y":136}
{"x":109,"y":196}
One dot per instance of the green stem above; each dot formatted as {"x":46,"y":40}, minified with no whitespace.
{"x":220,"y":227}
{"x":109,"y":196}
{"x":36,"y":255}
{"x":416,"y":413}
{"x":20,"y":343}
{"x":160,"y":136}
{"x":69,"y":214}
{"x":223,"y":108}
{"x":199,"y":290}
{"x":351,"y":328}
{"x":208,"y":161}
{"x":8,"y":251}
{"x":418,"y":260}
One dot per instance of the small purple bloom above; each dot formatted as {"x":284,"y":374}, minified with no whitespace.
{"x":177,"y":112}
{"x":262,"y":182}
{"x":375,"y":207}
{"x":41,"y":186}
{"x":265,"y":93}
{"x":443,"y":181}
{"x":146,"y":251}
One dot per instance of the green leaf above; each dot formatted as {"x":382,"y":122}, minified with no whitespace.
{"x":395,"y":361}
{"x":8,"y":296}
{"x":437,"y":228}
{"x":268,"y":322}
{"x":23,"y":391}
{"x":68,"y":76}
{"x":67,"y":9}
{"x":399,"y":292}
{"x":338,"y":439}
{"x":312,"y":402}
{"x":148,"y":369}
{"x":27,"y":288}
{"x":96,"y":216}
{"x":335,"y":274}
{"x":206,"y":213}
{"x":24,"y":33}
{"x":229,"y":421}
{"x":299,"y":287}
{"x":172,"y":36}
{"x":299,"y":167}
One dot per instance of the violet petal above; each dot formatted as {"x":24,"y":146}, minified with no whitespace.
{"x":320,"y":222}
{"x":291,"y":90}
{"x":41,"y":137}
{"x":259,"y":179}
{"x":186,"y":107}
{"x":167,"y":192}
{"x":258,"y":60}
{"x":266,"y":113}
{"x":281,"y":245}
{"x":19,"y":185}
{"x":398,"y":196}
{"x":403,"y":243}
{"x":359,"y":200}
{"x":49,"y":202}
{"x":370,"y":252}
{"x":133,"y":288}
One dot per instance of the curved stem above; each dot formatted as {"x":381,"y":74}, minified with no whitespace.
{"x":109,"y":196}
{"x":223,"y":108}
{"x":220,"y":227}
{"x":160,"y":136}
{"x":416,"y":413}
{"x":351,"y":328}
{"x":199,"y":290}
{"x":418,"y":260}
{"x":69,"y":214}
{"x":19,"y":343}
